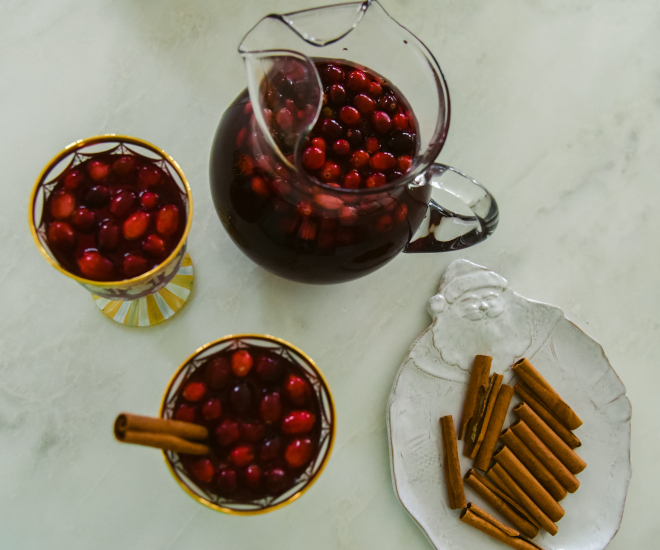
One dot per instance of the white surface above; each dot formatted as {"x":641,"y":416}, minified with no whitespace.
{"x":556,"y":108}
{"x":482,"y":315}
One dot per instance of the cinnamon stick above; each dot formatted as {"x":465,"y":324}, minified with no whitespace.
{"x":482,"y":520}
{"x":476,"y":391}
{"x":550,"y":419}
{"x":474,"y":441}
{"x":528,"y":483}
{"x":563,"y":452}
{"x":534,"y":465}
{"x":546,"y":456}
{"x":504,"y":479}
{"x":170,"y":435}
{"x":501,"y":503}
{"x":500,"y":409}
{"x":452,"y":464}
{"x":165,"y":442}
{"x":546,"y":393}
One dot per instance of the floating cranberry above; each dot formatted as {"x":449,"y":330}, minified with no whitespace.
{"x":259,"y":186}
{"x":352,"y":180}
{"x":319,"y":142}
{"x":134,"y":265}
{"x":394,"y":175}
{"x":354,"y":137}
{"x":253,"y":477}
{"x":185,"y":413}
{"x":149,"y":200}
{"x":401,"y":213}
{"x":217,"y":373}
{"x":62,"y":205}
{"x":384,"y":223}
{"x":122,"y":203}
{"x":337,"y":94}
{"x":383,"y":161}
{"x":240,"y":398}
{"x":381,"y":122}
{"x":241,"y":362}
{"x":228,"y":432}
{"x":149,"y":176}
{"x":227,"y":482}
{"x":154,"y":246}
{"x":245,"y":165}
{"x":375,"y":89}
{"x":400,"y":121}
{"x":402,"y":142}
{"x":203,"y":470}
{"x":304,"y":208}
{"x":97,"y":196}
{"x":331,"y":129}
{"x":298,"y":422}
{"x":359,"y":159}
{"x":83,"y":219}
{"x":136,"y":225}
{"x":313,"y":158}
{"x":328,"y":202}
{"x":167,"y":220}
{"x":349,"y":115}
{"x":94,"y":265}
{"x":269,"y":369}
{"x":194,"y":391}
{"x":307,"y":230}
{"x":333,"y":74}
{"x":212,"y":409}
{"x":253,"y":431}
{"x":298,"y":452}
{"x":271,"y":449}
{"x":297,"y":390}
{"x":98,"y":170}
{"x":348,"y":215}
{"x":61,"y":235}
{"x":276,"y":480}
{"x":330,"y":171}
{"x":73,"y":179}
{"x":341,"y":147}
{"x":281,"y":186}
{"x":373,"y":145}
{"x":108,"y":235}
{"x":377,"y":179}
{"x":357,"y":82}
{"x":403,"y":163}
{"x":124,"y":165}
{"x":389,"y":104}
{"x":284,"y":119}
{"x":242,"y":455}
{"x":364,"y":104}
{"x":241,"y":138}
{"x":270,"y":408}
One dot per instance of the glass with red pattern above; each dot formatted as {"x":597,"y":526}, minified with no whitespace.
{"x":322,"y":170}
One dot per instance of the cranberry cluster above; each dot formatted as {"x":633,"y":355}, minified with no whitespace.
{"x":262,"y":418}
{"x":114,"y":217}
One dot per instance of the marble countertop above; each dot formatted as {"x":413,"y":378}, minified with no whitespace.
{"x":555,"y":107}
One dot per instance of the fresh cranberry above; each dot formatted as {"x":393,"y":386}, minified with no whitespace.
{"x":271,"y":449}
{"x":348,"y":215}
{"x":203,"y":470}
{"x":83,"y":219}
{"x":284,"y":119}
{"x":259,"y":186}
{"x":227,"y":482}
{"x":298,"y":452}
{"x":280,"y":186}
{"x":245,"y":166}
{"x":389,"y":104}
{"x":403,"y":163}
{"x":304,"y":208}
{"x":124,"y":165}
{"x":298,"y":422}
{"x":194,"y":391}
{"x":352,"y":180}
{"x":241,"y":362}
{"x":359,"y":159}
{"x":328,"y":202}
{"x":73,"y":179}
{"x":217,"y":373}
{"x":269,"y":369}
{"x":349,"y":115}
{"x":337,"y":94}
{"x":62,"y":205}
{"x":313,"y":158}
{"x":122,"y":203}
{"x":400,"y":120}
{"x":383,"y":161}
{"x":373,"y":145}
{"x":241,"y":138}
{"x":377,"y":179}
{"x":330,"y":171}
{"x":341,"y":147}
{"x":154,"y":246}
{"x":307,"y":230}
{"x":297,"y":390}
{"x":253,"y":477}
{"x":108,"y":235}
{"x":185,"y":413}
{"x":136,"y":225}
{"x":270,"y":408}
{"x":253,"y":431}
{"x":240,"y":398}
{"x":94,"y":265}
{"x":331,"y":129}
{"x":149,"y":200}
{"x":134,"y":265}
{"x":364,"y":104}
{"x":357,"y":81}
{"x":228,"y":432}
{"x":149,"y":176}
{"x":319,"y":142}
{"x":354,"y":137}
{"x":97,"y":196}
{"x":212,"y":409}
{"x":333,"y":74}
{"x":98,"y":170}
{"x":375,"y":89}
{"x":381,"y":122}
{"x":242,"y":455}
{"x":384,"y":223}
{"x":167,"y":220}
{"x":276,"y":480}
{"x":61,"y":235}
{"x":402,"y":142}
{"x":401,"y":213}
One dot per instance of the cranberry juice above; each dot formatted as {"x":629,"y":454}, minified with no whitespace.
{"x":263,"y":420}
{"x":326,"y":220}
{"x":113,"y":217}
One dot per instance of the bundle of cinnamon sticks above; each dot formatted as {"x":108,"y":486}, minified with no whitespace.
{"x":531,"y":472}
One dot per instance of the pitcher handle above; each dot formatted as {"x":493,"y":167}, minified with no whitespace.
{"x":443,"y":229}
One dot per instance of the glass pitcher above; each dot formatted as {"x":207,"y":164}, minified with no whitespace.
{"x":318,"y":185}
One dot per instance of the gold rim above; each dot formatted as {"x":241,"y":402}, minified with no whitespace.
{"x":333,"y":423}
{"x":106,"y":138}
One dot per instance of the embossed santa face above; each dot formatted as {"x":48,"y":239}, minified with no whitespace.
{"x":480,"y":303}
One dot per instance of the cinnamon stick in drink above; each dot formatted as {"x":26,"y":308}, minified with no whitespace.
{"x":165,"y":442}
{"x":563,"y":452}
{"x":502,"y":478}
{"x":452,"y":464}
{"x":508,"y":508}
{"x":500,"y":409}
{"x":477,"y":388}
{"x":528,"y":483}
{"x":475,"y":439}
{"x":533,"y":464}
{"x":546,"y":394}
{"x":546,"y":456}
{"x":482,"y":520}
{"x":550,"y":419}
